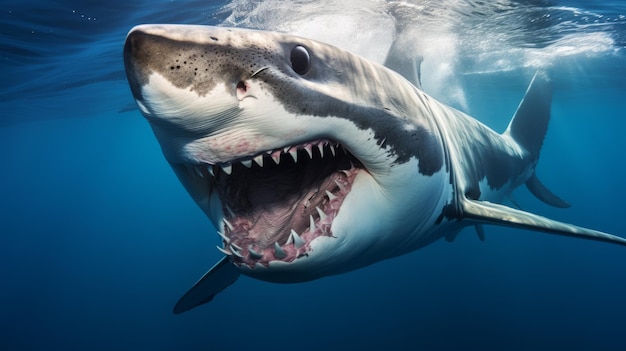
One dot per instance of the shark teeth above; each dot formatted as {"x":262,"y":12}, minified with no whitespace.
{"x":228,"y":169}
{"x":259,"y":160}
{"x":275,"y":155}
{"x":309,"y":150}
{"x":228,"y":225}
{"x":341,"y":186}
{"x":255,"y":255}
{"x":235,"y":252}
{"x":294,"y":155}
{"x":223,"y":236}
{"x":296,"y":239}
{"x":279,"y":252}
{"x":330,"y":195}
{"x":239,"y":243}
{"x":224,"y":251}
{"x":321,"y":213}
{"x":311,"y":224}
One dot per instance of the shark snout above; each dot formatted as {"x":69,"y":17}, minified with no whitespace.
{"x":134,"y":72}
{"x":185,"y":61}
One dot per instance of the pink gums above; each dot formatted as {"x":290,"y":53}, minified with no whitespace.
{"x":239,"y":243}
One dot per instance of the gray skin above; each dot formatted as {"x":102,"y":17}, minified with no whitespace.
{"x":384,"y":121}
{"x":200,"y":66}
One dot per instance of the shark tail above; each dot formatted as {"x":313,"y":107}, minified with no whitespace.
{"x":528,"y":128}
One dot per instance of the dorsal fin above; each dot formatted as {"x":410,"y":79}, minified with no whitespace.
{"x":530,"y":122}
{"x":403,"y":62}
{"x":528,"y":128}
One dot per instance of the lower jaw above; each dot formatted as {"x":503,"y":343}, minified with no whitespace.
{"x":242,"y":246}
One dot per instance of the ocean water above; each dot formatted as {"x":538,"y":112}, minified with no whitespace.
{"x":98,"y":239}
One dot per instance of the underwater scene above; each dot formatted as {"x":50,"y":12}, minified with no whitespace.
{"x":99,"y":238}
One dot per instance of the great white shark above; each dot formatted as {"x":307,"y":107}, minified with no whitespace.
{"x":312,"y":161}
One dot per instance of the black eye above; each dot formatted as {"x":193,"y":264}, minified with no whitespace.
{"x":300,"y":60}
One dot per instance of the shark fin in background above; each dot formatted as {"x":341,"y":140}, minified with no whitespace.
{"x":544,"y":194}
{"x":529,"y":126}
{"x":490,"y":213}
{"x":218,"y":278}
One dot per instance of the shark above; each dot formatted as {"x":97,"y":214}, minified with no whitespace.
{"x":312,"y":161}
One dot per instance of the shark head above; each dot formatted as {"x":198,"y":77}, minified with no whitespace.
{"x":298,"y":159}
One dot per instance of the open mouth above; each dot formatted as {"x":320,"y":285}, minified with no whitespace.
{"x":276,"y":202}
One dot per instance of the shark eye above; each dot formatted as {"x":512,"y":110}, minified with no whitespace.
{"x":300,"y":60}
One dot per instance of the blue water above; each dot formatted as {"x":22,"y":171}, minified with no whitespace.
{"x":98,"y":239}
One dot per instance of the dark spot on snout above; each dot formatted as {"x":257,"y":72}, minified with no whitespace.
{"x":241,"y":86}
{"x":214,"y":39}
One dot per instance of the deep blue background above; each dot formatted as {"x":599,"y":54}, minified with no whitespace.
{"x":98,"y":239}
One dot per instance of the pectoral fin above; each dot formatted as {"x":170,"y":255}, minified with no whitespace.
{"x":218,"y":278}
{"x":489,"y":213}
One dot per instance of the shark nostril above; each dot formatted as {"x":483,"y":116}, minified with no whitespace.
{"x":242,"y":87}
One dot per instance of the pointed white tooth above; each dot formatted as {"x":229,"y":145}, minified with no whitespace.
{"x":236,"y":246}
{"x":255,"y":255}
{"x":235,"y":252}
{"x":223,"y":236}
{"x":228,"y":169}
{"x":290,"y":238}
{"x":278,"y":251}
{"x":294,"y":155}
{"x":341,"y":186}
{"x":230,"y":211}
{"x":321,"y":213}
{"x":230,"y":226}
{"x":309,"y":150}
{"x":330,"y":195}
{"x":311,"y":224}
{"x":209,"y":169}
{"x":276,"y":158}
{"x":332,"y":149}
{"x":321,"y":148}
{"x":247,"y":163}
{"x":297,"y":240}
{"x":259,"y":160}
{"x":224,"y":251}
